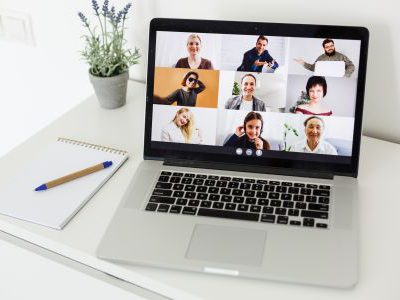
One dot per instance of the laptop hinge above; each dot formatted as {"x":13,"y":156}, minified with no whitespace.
{"x":247,"y":168}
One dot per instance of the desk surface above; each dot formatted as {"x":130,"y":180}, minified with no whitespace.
{"x":123,"y":129}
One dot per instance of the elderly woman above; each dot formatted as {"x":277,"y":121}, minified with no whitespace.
{"x":194,"y":60}
{"x":248,"y":135}
{"x":187,"y":94}
{"x":314,"y":128}
{"x":316,"y":89}
{"x":246,"y":100}
{"x":182,"y":129}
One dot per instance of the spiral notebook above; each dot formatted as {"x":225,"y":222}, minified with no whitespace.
{"x":56,"y":206}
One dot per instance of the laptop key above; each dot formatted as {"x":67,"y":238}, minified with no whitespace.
{"x":268,"y":218}
{"x":190,"y":175}
{"x":301,"y":205}
{"x":324,"y":187}
{"x":243,"y":207}
{"x":260,"y":181}
{"x":190,"y":195}
{"x":198,"y":181}
{"x":324,"y":193}
{"x":273,"y":195}
{"x":227,"y":214}
{"x":293,"y":212}
{"x":166,"y":173}
{"x":159,"y":192}
{"x":186,"y":180}
{"x":255,"y":208}
{"x":190,"y":188}
{"x":305,"y":191}
{"x":268,"y":210}
{"x":308,"y":222}
{"x":238,"y":199}
{"x":233,"y":185}
{"x":202,"y":196}
{"x":288,"y":204}
{"x":299,"y":184}
{"x":163,"y":185}
{"x":311,"y":199}
{"x":321,"y":225}
{"x":287,"y":197}
{"x":295,"y":223}
{"x":226,"y":198}
{"x":249,"y":180}
{"x":251,"y":200}
{"x":159,"y":199}
{"x":261,"y":194}
{"x":178,"y":187}
{"x":323,"y":200}
{"x":237,"y":192}
{"x":201,"y":189}
{"x":293,"y":190}
{"x":213,"y":177}
{"x":194,"y":202}
{"x":285,"y":183}
{"x":225,"y":178}
{"x":178,"y":194}
{"x":276,"y":203}
{"x":257,"y":187}
{"x":175,"y":209}
{"x":151,"y":206}
{"x":205,"y":203}
{"x":280,"y":211}
{"x":189,"y":210}
{"x":274,"y":182}
{"x":312,"y":186}
{"x":245,"y":186}
{"x":236,"y":179}
{"x":314,"y":214}
{"x":163,"y":178}
{"x":213,"y":190}
{"x":163,"y":208}
{"x":175,"y":179}
{"x":299,"y":198}
{"x":214,"y":197}
{"x":221,"y":183}
{"x":181,"y":201}
{"x":225,"y":191}
{"x":209,"y":182}
{"x":177,"y":174}
{"x":320,"y":207}
{"x":230,"y":206}
{"x":281,"y":189}
{"x":201,"y":176}
{"x":262,"y":201}
{"x":218,"y":205}
{"x":249,"y":193}
{"x":282,"y":220}
{"x":269,"y":188}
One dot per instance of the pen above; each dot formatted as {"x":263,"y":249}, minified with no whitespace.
{"x":73,"y":176}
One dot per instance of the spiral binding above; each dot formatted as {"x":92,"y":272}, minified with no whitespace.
{"x":92,"y":146}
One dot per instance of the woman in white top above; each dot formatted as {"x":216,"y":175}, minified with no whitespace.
{"x":314,"y":128}
{"x":182,"y":129}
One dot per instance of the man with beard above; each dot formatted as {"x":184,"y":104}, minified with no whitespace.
{"x":330,"y":55}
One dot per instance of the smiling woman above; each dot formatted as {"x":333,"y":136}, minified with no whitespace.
{"x":247,"y":101}
{"x":194,"y":60}
{"x":316,"y":89}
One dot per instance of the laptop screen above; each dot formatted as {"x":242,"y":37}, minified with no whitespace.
{"x":255,"y":97}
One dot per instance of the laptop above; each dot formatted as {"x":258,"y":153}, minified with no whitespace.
{"x":245,"y":189}
{"x":330,"y":68}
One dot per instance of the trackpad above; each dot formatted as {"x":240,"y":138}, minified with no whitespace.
{"x":224,"y":244}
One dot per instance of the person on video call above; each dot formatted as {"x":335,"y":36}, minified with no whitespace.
{"x":314,"y":128}
{"x":256,"y":58}
{"x":248,"y":135}
{"x":316,"y":89}
{"x":330,"y":55}
{"x":182,"y":129}
{"x":194,"y":60}
{"x":187,"y":94}
{"x":246,"y":100}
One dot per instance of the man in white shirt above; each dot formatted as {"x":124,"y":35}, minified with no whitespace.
{"x":314,"y":127}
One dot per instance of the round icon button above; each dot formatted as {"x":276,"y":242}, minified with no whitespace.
{"x":239,"y":151}
{"x":259,"y":152}
{"x":249,"y":152}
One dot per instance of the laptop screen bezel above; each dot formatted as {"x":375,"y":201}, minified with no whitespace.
{"x":300,"y":161}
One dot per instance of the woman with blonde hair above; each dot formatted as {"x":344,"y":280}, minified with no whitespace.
{"x":182,"y":129}
{"x":194,"y":60}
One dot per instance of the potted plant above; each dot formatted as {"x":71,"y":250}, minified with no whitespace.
{"x":105,"y":52}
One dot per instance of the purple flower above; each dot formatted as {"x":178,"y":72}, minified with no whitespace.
{"x":126,"y":9}
{"x":105,"y":7}
{"x":95,"y":6}
{"x":119,"y":17}
{"x":83,"y":19}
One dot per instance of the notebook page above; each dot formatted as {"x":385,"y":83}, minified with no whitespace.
{"x":54,"y":207}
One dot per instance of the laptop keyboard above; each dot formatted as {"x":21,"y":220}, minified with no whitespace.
{"x":242,"y":198}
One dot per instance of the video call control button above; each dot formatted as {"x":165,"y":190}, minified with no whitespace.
{"x":249,"y":152}
{"x":259,"y":152}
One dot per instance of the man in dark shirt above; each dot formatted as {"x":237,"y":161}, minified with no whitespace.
{"x":256,"y":58}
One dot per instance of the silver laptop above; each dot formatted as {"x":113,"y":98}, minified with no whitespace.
{"x":234,"y":182}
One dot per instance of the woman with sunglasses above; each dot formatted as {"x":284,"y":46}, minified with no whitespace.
{"x":187,"y":94}
{"x":194,"y":60}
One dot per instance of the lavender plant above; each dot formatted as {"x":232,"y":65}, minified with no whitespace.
{"x":105,"y":46}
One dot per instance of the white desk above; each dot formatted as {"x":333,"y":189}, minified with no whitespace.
{"x":123,"y":128}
